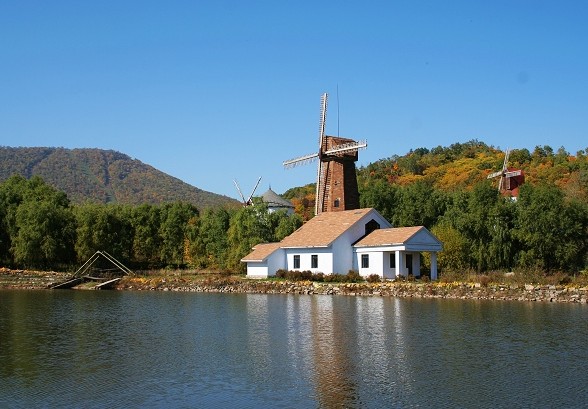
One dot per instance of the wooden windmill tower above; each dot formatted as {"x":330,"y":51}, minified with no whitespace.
{"x":249,"y":201}
{"x":336,"y":185}
{"x":510,"y":179}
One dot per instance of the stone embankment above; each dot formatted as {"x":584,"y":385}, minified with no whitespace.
{"x":29,"y":280}
{"x":455,"y":290}
{"x":19,"y":279}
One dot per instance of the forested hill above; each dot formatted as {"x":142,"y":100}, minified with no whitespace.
{"x":102,"y":176}
{"x":461,"y":166}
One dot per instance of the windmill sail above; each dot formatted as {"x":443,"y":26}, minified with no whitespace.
{"x":509,"y":180}
{"x":336,"y":183}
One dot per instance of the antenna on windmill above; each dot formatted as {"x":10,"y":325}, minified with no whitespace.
{"x":509,"y":179}
{"x":336,"y":156}
{"x":249,"y":200}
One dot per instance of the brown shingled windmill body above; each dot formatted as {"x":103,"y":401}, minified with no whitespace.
{"x":336,"y":185}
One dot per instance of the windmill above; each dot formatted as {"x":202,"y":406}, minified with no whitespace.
{"x":247,"y":202}
{"x":510,"y":179}
{"x":336,"y":186}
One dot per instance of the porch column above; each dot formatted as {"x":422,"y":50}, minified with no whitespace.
{"x":433,"y":265}
{"x":416,"y":264}
{"x":399,"y":262}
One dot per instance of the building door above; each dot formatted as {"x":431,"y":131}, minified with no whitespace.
{"x":409,"y":263}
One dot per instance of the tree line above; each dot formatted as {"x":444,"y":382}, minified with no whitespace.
{"x":443,"y":189}
{"x":40,"y":228}
{"x":481,"y":230}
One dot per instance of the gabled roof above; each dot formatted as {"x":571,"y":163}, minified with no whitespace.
{"x":399,"y":236}
{"x":275,"y":200}
{"x":320,"y":231}
{"x":324,"y":229}
{"x":261,"y":251}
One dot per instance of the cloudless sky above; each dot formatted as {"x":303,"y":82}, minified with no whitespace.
{"x":211,"y":91}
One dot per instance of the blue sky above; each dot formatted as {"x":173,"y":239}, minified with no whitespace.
{"x":211,"y":91}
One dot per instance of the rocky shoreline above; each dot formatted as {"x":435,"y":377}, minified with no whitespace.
{"x":455,"y":290}
{"x":19,"y":279}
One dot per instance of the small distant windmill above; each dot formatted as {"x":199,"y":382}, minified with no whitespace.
{"x":336,"y":186}
{"x":249,"y":200}
{"x":510,"y":179}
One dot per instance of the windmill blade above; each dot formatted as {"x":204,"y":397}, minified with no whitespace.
{"x":347,"y":147}
{"x":323,"y":120}
{"x":505,"y":163}
{"x":494,"y":174}
{"x":513,"y":173}
{"x":239,"y":190}
{"x":253,"y":191}
{"x":500,"y":183}
{"x":302,"y":160}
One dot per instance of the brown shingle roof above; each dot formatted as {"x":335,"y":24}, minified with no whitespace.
{"x":323,"y":229}
{"x":383,"y":237}
{"x":261,"y":251}
{"x":320,"y":231}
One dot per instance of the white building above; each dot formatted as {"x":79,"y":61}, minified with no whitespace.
{"x":276,"y":202}
{"x":336,"y":242}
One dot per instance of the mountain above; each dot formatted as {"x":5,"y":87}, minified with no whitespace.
{"x":102,"y":176}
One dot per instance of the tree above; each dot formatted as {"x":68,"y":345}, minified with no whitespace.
{"x":453,"y":257}
{"x":420,"y":205}
{"x":103,"y":227}
{"x":146,"y":221}
{"x":553,"y":233}
{"x":249,"y":226}
{"x":380,"y":195}
{"x":286,"y":225}
{"x":175,"y":218}
{"x":45,"y":233}
{"x":210,"y":247}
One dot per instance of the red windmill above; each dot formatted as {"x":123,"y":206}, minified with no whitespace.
{"x":510,"y":179}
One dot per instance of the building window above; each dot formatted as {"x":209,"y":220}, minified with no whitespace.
{"x":365,"y":261}
{"x":336,"y":204}
{"x":314,"y":261}
{"x":296,"y":261}
{"x":371,"y":226}
{"x":392,"y":260}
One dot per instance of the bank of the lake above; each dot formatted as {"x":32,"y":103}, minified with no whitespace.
{"x":210,"y":283}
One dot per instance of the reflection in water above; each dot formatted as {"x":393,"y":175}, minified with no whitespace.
{"x":332,"y":364}
{"x":114,"y":349}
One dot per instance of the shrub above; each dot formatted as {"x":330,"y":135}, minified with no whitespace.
{"x":373,"y":278}
{"x":353,"y":276}
{"x":484,"y":280}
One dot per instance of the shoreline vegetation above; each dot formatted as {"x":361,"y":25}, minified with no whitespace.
{"x":507,"y":287}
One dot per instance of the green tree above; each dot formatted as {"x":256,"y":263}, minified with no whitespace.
{"x":420,"y":205}
{"x":146,"y":221}
{"x":103,"y":228}
{"x":210,"y":247}
{"x":286,"y":225}
{"x":44,"y":226}
{"x":249,"y":226}
{"x":380,"y":195}
{"x":553,"y":233}
{"x":175,"y":219}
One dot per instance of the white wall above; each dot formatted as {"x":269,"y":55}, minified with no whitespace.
{"x":257,"y":270}
{"x":325,"y":259}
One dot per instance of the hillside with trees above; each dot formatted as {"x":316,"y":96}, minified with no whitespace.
{"x":41,"y":229}
{"x":102,"y":176}
{"x":447,"y":190}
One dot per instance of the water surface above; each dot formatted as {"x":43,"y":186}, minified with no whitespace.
{"x":67,"y":348}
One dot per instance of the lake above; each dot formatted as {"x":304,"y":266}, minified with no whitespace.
{"x":98,"y":349}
